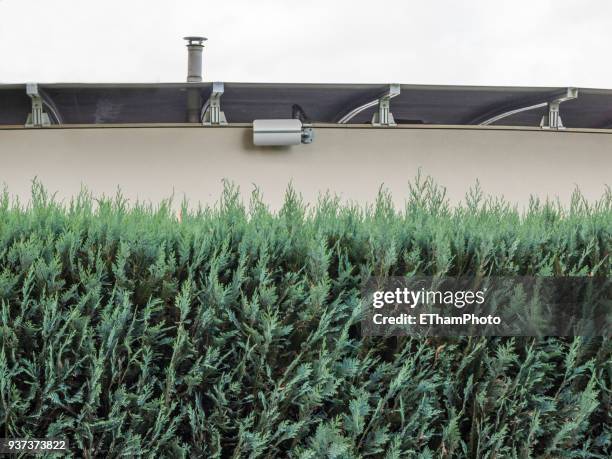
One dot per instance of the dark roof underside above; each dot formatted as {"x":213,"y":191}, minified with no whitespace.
{"x":324,"y":103}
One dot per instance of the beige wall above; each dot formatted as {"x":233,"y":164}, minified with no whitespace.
{"x":150,"y":163}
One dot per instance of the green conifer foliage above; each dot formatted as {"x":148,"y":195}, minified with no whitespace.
{"x":233,"y":331}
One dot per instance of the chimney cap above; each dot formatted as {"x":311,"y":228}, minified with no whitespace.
{"x":195,"y":40}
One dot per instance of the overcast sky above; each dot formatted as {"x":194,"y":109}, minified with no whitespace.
{"x":484,"y":42}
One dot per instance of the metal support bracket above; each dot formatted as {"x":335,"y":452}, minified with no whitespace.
{"x":37,"y":118}
{"x":211,"y":113}
{"x":553,"y":119}
{"x":307,"y":133}
{"x":383,"y":117}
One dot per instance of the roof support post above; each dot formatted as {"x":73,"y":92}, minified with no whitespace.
{"x":553,"y":119}
{"x":37,"y":118}
{"x":384,"y":117}
{"x":211,"y":113}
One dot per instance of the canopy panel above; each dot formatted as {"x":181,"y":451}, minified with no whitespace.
{"x":321,"y":103}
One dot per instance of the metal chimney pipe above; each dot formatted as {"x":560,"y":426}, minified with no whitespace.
{"x":195,"y":45}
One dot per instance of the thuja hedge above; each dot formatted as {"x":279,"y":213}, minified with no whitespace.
{"x":233,"y":331}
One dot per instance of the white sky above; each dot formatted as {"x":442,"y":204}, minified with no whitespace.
{"x":484,"y":42}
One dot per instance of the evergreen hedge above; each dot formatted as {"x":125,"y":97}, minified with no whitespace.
{"x":233,"y":331}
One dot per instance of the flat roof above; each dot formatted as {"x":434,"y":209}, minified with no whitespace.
{"x":126,"y":103}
